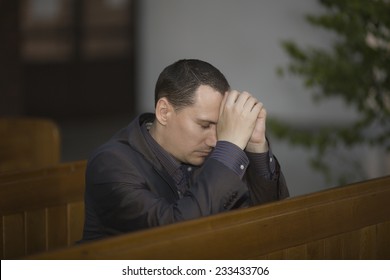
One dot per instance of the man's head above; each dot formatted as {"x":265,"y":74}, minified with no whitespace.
{"x":187,"y":98}
{"x":179,"y":81}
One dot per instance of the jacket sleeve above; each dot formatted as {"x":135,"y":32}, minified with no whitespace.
{"x":264,"y":189}
{"x":260,"y":172}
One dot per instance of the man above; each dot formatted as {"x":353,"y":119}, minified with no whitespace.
{"x":204,"y":151}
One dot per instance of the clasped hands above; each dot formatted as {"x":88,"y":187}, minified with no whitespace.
{"x":242,"y":122}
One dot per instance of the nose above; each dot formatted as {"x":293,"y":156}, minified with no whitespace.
{"x":211,"y":139}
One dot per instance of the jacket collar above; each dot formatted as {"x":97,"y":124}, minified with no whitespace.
{"x":138,"y":142}
{"x":136,"y":138}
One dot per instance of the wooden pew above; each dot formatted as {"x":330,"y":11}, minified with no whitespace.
{"x":28,"y":143}
{"x":349,"y":222}
{"x":41,"y":209}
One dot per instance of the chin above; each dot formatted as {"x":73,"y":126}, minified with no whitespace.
{"x":198,"y":161}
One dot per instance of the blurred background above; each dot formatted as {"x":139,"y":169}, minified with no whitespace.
{"x":91,"y":66}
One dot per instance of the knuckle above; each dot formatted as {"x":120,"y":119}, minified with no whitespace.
{"x":247,"y":94}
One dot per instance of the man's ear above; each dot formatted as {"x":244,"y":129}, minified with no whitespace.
{"x":163,"y":110}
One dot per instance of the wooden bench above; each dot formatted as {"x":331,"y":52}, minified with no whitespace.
{"x":41,"y":209}
{"x":28,"y":143}
{"x":349,"y":222}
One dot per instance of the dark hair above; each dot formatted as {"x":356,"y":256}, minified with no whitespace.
{"x":179,"y":81}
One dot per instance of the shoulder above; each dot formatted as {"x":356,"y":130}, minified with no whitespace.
{"x":125,"y":156}
{"x":114,"y":161}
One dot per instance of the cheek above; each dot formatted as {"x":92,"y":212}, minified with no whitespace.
{"x":180,"y":135}
{"x":193,"y":135}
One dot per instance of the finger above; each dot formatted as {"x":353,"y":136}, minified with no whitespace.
{"x":242,"y":99}
{"x":252,"y":104}
{"x":254,"y":108}
{"x":232,"y":98}
{"x":262,"y":113}
{"x":259,"y":105}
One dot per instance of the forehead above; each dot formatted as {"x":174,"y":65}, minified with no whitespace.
{"x":207,"y":96}
{"x":207,"y":103}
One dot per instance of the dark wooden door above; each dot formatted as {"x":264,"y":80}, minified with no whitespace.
{"x":78,"y":58}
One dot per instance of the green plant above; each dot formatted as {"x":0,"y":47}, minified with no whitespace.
{"x":355,"y":69}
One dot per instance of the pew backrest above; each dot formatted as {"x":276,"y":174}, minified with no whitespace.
{"x":28,"y":143}
{"x":41,"y":209}
{"x":349,"y":222}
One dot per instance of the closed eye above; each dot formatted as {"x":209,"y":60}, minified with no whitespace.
{"x":206,"y":124}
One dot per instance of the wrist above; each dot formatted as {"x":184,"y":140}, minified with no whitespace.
{"x":257,"y":147}
{"x":237,"y":142}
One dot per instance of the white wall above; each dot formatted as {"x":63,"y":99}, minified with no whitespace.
{"x":242,"y":38}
